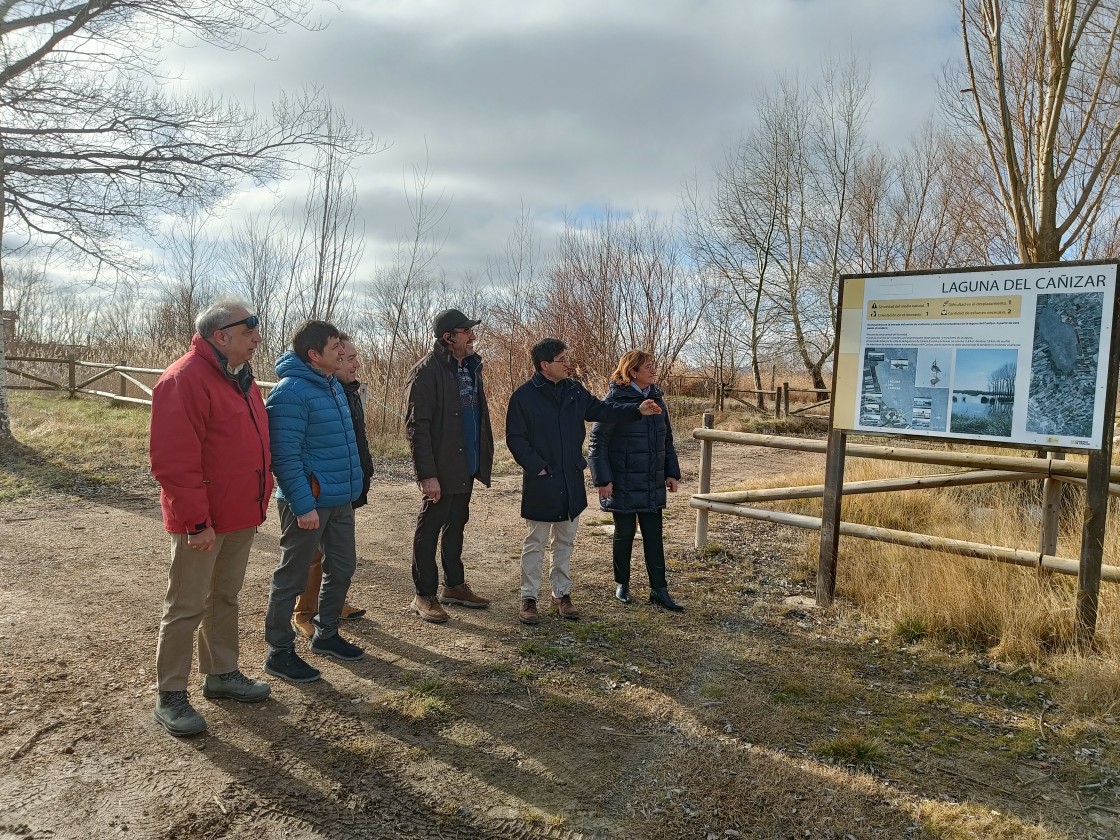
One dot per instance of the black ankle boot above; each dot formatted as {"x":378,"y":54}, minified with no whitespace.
{"x":662,"y":598}
{"x":622,"y":593}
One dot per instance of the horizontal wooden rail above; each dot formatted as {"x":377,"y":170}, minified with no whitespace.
{"x":1044,"y":466}
{"x":1015,"y":556}
{"x":103,"y":369}
{"x":878,"y":485}
{"x":118,"y":397}
{"x":805,"y":408}
{"x":37,"y":359}
{"x":34,"y":378}
{"x":112,"y":367}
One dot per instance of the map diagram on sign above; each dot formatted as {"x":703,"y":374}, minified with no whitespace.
{"x":905,"y":388}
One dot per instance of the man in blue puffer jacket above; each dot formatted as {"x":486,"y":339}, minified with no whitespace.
{"x":318,"y":475}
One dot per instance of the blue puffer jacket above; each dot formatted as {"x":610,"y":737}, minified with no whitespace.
{"x":311,"y":436}
{"x":636,"y":457}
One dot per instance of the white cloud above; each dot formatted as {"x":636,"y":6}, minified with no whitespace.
{"x":556,"y":104}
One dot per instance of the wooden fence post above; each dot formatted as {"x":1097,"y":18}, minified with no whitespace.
{"x":830,"y":516}
{"x":777,"y":402}
{"x":785,"y":397}
{"x":704,"y":482}
{"x":1092,"y":548}
{"x":122,"y":388}
{"x":1051,"y":511}
{"x":72,"y":374}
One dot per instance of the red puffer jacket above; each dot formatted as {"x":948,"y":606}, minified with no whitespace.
{"x":209,"y":446}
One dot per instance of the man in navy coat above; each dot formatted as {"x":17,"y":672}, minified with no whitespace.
{"x":545,"y":432}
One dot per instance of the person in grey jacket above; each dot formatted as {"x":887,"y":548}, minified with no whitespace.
{"x":545,"y":432}
{"x":447,"y":422}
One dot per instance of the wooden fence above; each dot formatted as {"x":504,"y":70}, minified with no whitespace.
{"x":75,"y":378}
{"x":779,"y":397}
{"x":978,"y":469}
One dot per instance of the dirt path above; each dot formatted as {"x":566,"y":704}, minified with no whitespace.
{"x":629,"y":723}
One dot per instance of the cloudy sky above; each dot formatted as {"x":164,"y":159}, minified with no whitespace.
{"x":566,"y":106}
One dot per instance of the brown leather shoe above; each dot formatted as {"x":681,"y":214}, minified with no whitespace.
{"x":428,"y":608}
{"x":565,"y":606}
{"x":528,"y":613}
{"x":349,"y":611}
{"x":463,"y":596}
{"x":302,"y":625}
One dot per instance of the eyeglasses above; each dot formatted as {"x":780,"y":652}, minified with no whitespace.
{"x":562,"y":361}
{"x":252,"y":322}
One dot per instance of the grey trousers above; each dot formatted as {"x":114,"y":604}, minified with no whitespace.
{"x":297,"y":549}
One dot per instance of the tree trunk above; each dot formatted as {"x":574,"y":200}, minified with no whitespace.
{"x":5,"y":420}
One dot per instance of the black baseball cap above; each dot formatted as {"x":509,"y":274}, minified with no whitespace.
{"x":450,"y":320}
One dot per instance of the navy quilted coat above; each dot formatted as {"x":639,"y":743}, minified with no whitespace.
{"x":636,"y":457}
{"x":311,"y":434}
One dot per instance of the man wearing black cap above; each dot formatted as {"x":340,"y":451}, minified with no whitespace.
{"x":448,"y":425}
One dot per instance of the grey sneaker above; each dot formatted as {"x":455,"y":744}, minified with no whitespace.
{"x":234,"y":686}
{"x":175,"y":713}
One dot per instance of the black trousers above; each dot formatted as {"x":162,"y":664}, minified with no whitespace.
{"x":653,"y":545}
{"x":440,"y":523}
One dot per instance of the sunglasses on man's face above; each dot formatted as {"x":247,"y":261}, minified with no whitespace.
{"x":252,"y":322}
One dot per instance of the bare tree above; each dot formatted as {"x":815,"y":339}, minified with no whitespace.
{"x":93,"y":145}
{"x":264,"y":259}
{"x":336,"y":237}
{"x":511,"y":325}
{"x":403,"y":295}
{"x":782,"y":203}
{"x":191,"y":261}
{"x":1040,"y":86}
{"x":619,"y":284}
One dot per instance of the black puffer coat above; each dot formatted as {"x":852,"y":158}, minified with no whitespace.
{"x":353,"y":391}
{"x":545,"y":431}
{"x":636,"y":457}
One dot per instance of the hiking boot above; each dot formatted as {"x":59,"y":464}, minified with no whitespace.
{"x":351,"y":612}
{"x":287,"y":665}
{"x":175,"y":713}
{"x":303,"y":626}
{"x":662,"y":598}
{"x":463,"y":596}
{"x":336,"y":646}
{"x":528,"y":613}
{"x":564,"y":605}
{"x":428,"y":608}
{"x":234,"y":686}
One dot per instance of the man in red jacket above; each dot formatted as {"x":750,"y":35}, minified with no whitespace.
{"x":210,"y":454}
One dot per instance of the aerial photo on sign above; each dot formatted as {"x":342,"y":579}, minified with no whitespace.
{"x":1015,"y":355}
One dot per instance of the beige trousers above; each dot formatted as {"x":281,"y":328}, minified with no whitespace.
{"x":560,"y":539}
{"x":202,"y":589}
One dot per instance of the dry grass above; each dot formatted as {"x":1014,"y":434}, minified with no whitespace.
{"x":54,"y":450}
{"x":1014,"y":613}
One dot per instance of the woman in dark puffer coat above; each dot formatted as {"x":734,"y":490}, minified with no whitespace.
{"x":632,"y":465}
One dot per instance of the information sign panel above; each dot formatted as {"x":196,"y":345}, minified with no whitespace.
{"x":1012,"y":355}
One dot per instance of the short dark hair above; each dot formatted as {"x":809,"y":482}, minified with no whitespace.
{"x":313,"y":335}
{"x":546,"y":350}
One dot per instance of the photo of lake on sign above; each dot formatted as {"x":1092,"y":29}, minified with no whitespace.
{"x":1064,"y":364}
{"x":983,"y":398}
